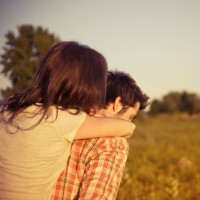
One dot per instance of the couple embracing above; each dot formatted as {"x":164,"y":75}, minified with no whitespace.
{"x":65,"y":131}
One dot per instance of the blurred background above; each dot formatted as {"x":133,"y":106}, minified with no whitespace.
{"x":157,"y":42}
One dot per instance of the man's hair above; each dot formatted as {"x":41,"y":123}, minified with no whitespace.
{"x":123,"y":85}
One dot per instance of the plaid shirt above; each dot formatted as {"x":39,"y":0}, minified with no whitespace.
{"x":94,"y":170}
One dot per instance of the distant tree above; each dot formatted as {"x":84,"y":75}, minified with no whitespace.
{"x":197,"y":104}
{"x":190,"y":103}
{"x":155,"y":107}
{"x":21,"y":55}
{"x":176,"y":102}
{"x":171,"y":102}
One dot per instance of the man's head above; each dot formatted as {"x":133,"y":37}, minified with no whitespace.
{"x":124,"y":98}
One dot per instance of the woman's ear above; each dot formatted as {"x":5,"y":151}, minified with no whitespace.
{"x":117,"y":106}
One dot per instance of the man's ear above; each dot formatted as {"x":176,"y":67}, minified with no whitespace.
{"x":117,"y":106}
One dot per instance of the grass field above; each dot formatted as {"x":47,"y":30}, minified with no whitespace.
{"x":164,"y":159}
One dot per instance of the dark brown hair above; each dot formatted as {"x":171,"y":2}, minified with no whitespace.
{"x":121,"y":84}
{"x":69,"y":76}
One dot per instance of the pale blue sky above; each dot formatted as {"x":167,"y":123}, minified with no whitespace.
{"x":156,"y":41}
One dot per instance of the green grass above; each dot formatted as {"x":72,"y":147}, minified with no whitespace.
{"x":164,"y":159}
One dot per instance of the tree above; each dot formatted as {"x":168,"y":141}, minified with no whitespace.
{"x":190,"y":103}
{"x":155,"y":107}
{"x":175,"y":102}
{"x":21,"y":56}
{"x":171,"y":102}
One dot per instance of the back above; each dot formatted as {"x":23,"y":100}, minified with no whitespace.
{"x":32,"y":160}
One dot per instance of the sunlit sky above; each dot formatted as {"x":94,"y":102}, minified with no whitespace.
{"x":156,"y":41}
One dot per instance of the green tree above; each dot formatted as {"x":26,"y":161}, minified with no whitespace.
{"x":155,"y":107}
{"x":171,"y":102}
{"x":21,"y":56}
{"x":190,"y":103}
{"x":174,"y":102}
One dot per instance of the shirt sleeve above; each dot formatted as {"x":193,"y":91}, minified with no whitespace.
{"x":68,"y":123}
{"x":104,"y":169}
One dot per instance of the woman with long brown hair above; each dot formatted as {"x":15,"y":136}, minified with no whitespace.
{"x":38,"y":126}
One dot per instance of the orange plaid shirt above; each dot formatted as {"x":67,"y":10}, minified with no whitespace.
{"x":93,"y":171}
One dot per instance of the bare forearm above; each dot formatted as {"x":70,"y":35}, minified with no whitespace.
{"x":104,"y":127}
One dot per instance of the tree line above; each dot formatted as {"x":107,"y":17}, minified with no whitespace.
{"x":175,"y":102}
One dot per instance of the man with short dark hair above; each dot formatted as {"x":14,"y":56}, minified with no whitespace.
{"x":95,"y":167}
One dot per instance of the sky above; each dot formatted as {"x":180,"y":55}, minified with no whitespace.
{"x":156,"y":41}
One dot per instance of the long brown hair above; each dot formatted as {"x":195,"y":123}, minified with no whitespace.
{"x":69,"y":76}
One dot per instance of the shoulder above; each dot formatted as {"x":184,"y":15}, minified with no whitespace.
{"x":67,"y":122}
{"x":99,"y":145}
{"x":113,"y":142}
